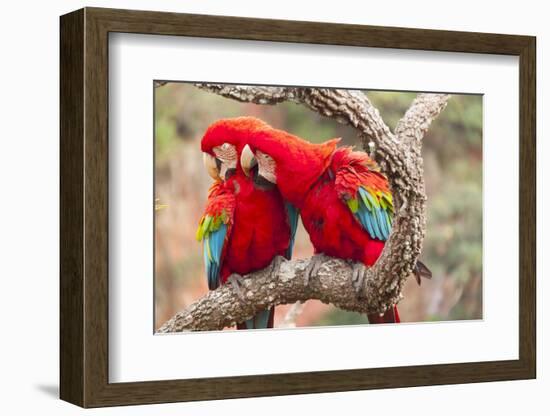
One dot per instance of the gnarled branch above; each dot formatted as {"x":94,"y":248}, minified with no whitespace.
{"x":223,"y":307}
{"x":399,"y":156}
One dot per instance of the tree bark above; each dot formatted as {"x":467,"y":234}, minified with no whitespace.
{"x":399,"y":156}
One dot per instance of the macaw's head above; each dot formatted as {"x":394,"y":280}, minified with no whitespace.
{"x":221,"y":147}
{"x":276,"y":157}
{"x":223,"y":142}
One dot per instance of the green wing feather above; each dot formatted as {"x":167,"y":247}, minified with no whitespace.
{"x":212,"y":231}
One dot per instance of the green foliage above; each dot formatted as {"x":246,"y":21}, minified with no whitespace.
{"x":341,"y":317}
{"x":452,"y":152}
{"x":455,"y":224}
{"x":392,"y":105}
{"x":308,"y":124}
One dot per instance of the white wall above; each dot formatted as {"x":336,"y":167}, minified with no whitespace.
{"x":29,"y":212}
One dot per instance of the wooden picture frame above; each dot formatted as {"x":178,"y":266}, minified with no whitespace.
{"x":84,"y":207}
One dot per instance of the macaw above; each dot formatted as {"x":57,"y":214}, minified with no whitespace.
{"x":246,"y":226}
{"x":344,"y":200}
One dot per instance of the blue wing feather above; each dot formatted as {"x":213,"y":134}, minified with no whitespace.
{"x":382,"y":223}
{"x":365,"y":220}
{"x":374,"y":219}
{"x":213,"y":247}
{"x":385,"y":222}
{"x":375,"y":225}
{"x":293,"y":215}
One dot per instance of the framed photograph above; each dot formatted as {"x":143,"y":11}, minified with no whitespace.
{"x":255,"y":207}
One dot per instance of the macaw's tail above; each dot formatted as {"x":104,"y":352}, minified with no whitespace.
{"x":262,"y":320}
{"x":390,"y":317}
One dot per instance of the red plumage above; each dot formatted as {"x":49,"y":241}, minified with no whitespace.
{"x":318,"y":179}
{"x":257,"y":223}
{"x":259,"y":226}
{"x":332,"y":227}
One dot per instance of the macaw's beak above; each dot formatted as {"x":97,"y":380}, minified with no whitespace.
{"x":211,"y":166}
{"x":248,"y":160}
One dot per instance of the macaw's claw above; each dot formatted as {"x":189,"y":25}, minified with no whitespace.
{"x":235,"y":281}
{"x":313,"y":267}
{"x":276,"y":265}
{"x":358,"y":279}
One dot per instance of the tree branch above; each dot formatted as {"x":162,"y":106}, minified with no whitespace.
{"x":416,"y":121}
{"x":222,"y":307}
{"x":399,"y":157}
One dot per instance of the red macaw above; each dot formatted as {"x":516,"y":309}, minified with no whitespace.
{"x":246,"y":225}
{"x":344,"y":200}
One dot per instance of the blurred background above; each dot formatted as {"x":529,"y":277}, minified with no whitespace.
{"x":452,"y":153}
